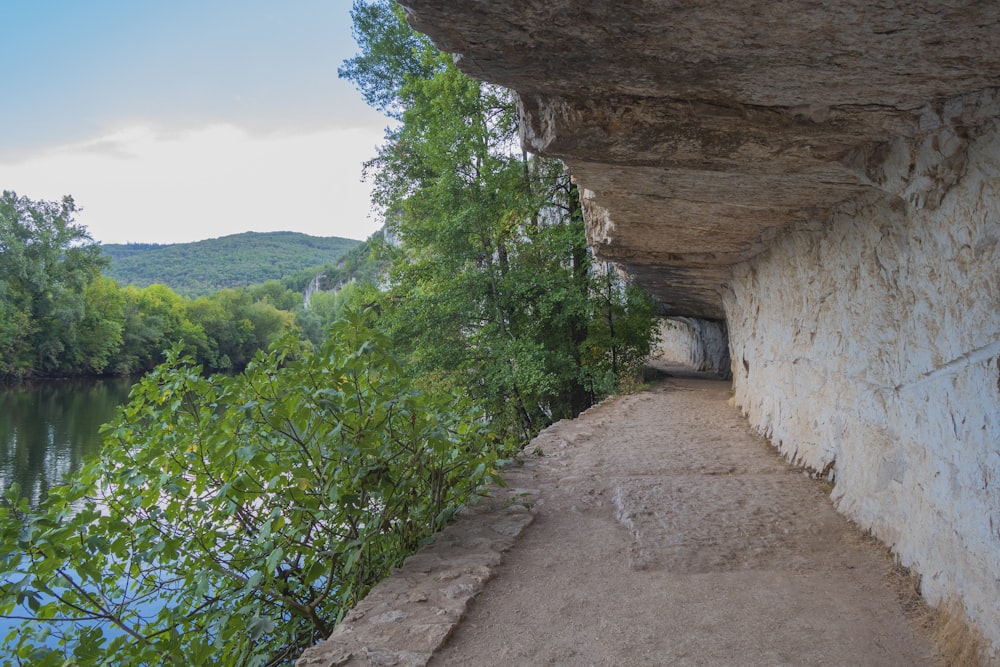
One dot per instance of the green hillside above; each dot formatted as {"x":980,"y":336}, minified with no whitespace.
{"x":196,"y":269}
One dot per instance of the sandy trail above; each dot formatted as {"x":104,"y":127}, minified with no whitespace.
{"x":665,"y":533}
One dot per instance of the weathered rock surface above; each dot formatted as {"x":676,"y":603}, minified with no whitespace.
{"x":870,"y":347}
{"x":702,"y":345}
{"x":406,"y":617}
{"x":823,"y":176}
{"x":699,"y":129}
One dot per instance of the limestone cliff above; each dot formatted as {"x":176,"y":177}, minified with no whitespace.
{"x":825,"y":178}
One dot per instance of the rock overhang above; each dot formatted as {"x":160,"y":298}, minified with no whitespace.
{"x":698,"y":131}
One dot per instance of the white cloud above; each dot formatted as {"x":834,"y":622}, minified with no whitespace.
{"x":144,"y":184}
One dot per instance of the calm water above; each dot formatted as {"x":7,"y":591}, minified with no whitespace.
{"x":48,"y":428}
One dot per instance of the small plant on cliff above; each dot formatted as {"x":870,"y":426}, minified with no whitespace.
{"x":232,"y":520}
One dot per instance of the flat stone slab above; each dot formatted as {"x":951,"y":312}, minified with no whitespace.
{"x":406,"y":617}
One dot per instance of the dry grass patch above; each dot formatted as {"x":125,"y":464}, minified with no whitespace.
{"x":957,"y":642}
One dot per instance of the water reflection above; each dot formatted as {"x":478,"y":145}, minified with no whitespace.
{"x":48,"y":428}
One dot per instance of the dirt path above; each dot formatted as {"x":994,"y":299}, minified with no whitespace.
{"x":664,"y":533}
{"x":667,"y":534}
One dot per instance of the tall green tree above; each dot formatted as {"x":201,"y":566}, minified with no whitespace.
{"x":492,"y":287}
{"x":46,"y":263}
{"x":156,"y":319}
{"x":103,"y":324}
{"x":238,"y":323}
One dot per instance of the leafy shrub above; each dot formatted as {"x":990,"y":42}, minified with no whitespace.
{"x":235,"y":519}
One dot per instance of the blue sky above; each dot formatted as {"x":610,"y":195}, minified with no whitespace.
{"x":182,"y":120}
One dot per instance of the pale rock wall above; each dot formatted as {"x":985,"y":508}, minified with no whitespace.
{"x":688,"y":341}
{"x":867,"y":347}
{"x":823,"y":176}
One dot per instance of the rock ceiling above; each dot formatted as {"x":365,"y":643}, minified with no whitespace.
{"x":698,"y":130}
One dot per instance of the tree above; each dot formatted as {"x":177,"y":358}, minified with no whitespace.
{"x":103,"y":323}
{"x":59,"y":316}
{"x":238,"y":323}
{"x":16,"y":328}
{"x":275,"y":293}
{"x":492,"y":288}
{"x":46,"y":263}
{"x":391,"y":53}
{"x":156,"y":319}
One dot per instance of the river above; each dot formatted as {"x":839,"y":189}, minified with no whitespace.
{"x":48,"y":428}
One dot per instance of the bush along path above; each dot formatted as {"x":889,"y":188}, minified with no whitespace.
{"x":234,"y":520}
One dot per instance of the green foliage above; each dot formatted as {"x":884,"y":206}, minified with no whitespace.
{"x":390,"y":54}
{"x":363,"y":263}
{"x":233,"y":520}
{"x":275,"y":293}
{"x":492,"y":288}
{"x":222,"y":331}
{"x":324,"y":309}
{"x":621,"y":334}
{"x":46,"y":264}
{"x":59,"y":316}
{"x":237,"y":323}
{"x":102,"y":325}
{"x":155,"y":318}
{"x":337,"y":286}
{"x":239,"y":260}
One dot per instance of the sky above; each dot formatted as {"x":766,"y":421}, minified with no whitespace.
{"x":178,"y":121}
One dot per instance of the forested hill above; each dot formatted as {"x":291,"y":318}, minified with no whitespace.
{"x":203,"y":267}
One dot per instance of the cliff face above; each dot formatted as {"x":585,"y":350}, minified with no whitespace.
{"x":871,"y":344}
{"x":700,"y":129}
{"x":823,"y":176}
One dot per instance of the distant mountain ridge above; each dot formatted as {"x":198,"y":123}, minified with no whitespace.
{"x":238,"y":260}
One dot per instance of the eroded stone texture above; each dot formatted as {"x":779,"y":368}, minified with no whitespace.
{"x":406,"y":617}
{"x":870,"y":347}
{"x":824,"y":176}
{"x":668,"y":534}
{"x":701,"y":345}
{"x":706,"y":127}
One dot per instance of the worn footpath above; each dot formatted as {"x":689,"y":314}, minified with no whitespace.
{"x":653,"y":530}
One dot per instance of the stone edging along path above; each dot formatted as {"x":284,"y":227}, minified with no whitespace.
{"x":662,"y":532}
{"x":409,"y":615}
